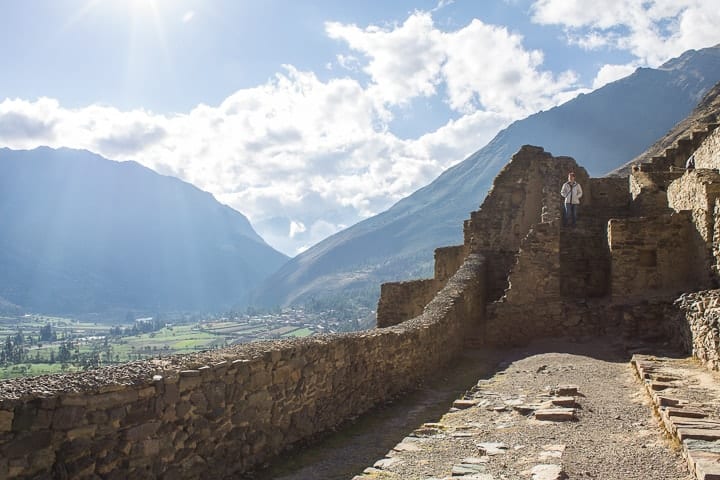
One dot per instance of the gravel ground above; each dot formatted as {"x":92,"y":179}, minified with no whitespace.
{"x":613,"y":436}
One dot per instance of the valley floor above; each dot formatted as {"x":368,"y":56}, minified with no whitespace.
{"x":600,"y":424}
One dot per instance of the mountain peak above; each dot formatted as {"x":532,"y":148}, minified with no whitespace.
{"x":601,"y":130}
{"x":82,"y":233}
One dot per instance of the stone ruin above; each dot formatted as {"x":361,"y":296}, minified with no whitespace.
{"x":641,"y":242}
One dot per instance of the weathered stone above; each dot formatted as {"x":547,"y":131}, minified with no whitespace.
{"x":565,"y":391}
{"x":112,"y":399}
{"x":698,"y":433}
{"x":556,"y":414}
{"x":564,"y":401}
{"x":406,"y":446}
{"x":6,"y":420}
{"x":492,"y":448}
{"x":706,"y":465}
{"x":468,"y":469}
{"x":548,"y":472}
{"x":81,"y":432}
{"x":463,"y":403}
{"x":659,"y":386}
{"x":386,"y":463}
{"x":68,"y":417}
{"x":25,"y":443}
{"x":141,"y":432}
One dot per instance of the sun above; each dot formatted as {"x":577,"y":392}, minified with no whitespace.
{"x":142,"y":7}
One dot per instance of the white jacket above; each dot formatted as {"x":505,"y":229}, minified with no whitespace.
{"x":571,"y":192}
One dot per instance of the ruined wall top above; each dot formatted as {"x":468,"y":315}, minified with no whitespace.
{"x":525,"y":192}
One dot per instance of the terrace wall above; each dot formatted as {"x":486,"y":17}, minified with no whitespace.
{"x":221,"y":413}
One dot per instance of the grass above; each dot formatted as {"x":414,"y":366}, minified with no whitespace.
{"x":35,"y":369}
{"x":301,"y":332}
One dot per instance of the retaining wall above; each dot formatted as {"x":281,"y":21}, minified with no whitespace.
{"x":220,"y":413}
{"x":707,"y":155}
{"x":652,"y":255}
{"x":699,"y":323}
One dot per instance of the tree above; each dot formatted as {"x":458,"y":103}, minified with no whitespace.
{"x":47,"y":333}
{"x":64,"y":352}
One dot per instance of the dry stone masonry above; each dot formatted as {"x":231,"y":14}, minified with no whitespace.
{"x":519,"y":275}
{"x":217,"y":414}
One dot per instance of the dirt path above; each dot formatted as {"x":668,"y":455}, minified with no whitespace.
{"x":609,"y":434}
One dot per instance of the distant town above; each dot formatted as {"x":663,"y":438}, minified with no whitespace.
{"x":33,"y":344}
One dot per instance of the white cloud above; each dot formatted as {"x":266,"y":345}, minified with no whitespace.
{"x":404,"y":62}
{"x":188,"y":16}
{"x":304,"y":158}
{"x":415,"y":58}
{"x":296,"y":228}
{"x":610,"y":73}
{"x":653,"y":31}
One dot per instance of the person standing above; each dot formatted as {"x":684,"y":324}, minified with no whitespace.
{"x":572,"y":192}
{"x":690,"y":164}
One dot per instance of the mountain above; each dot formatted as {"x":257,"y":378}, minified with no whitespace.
{"x":81,"y":233}
{"x":601,"y":130}
{"x":706,"y":112}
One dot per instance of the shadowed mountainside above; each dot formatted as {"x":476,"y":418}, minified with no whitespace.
{"x":705,"y":113}
{"x":84,"y":234}
{"x":601,"y":130}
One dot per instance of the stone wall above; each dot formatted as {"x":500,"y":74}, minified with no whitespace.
{"x":649,"y":191}
{"x":708,"y":154}
{"x":716,"y":242}
{"x":534,"y":286}
{"x":525,"y":192}
{"x":400,"y":301}
{"x":219,"y":413}
{"x":610,"y":197}
{"x":447,"y":261}
{"x":697,"y":192}
{"x":699,"y":322}
{"x":654,"y":256}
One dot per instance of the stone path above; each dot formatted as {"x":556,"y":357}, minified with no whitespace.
{"x":579,"y":414}
{"x":687,"y":398}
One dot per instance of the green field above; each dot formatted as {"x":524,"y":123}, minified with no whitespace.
{"x":91,"y":344}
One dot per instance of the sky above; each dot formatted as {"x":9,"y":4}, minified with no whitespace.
{"x":309,"y":116}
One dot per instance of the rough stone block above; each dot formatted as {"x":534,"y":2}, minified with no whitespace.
{"x":566,"y":390}
{"x":555,"y":414}
{"x":82,"y":432}
{"x":6,"y":420}
{"x":142,"y":432}
{"x":25,"y":443}
{"x":68,"y":417}
{"x":659,"y":386}
{"x":463,"y":403}
{"x":548,"y":472}
{"x":698,"y":433}
{"x":664,"y":401}
{"x":564,"y":401}
{"x":112,"y":399}
{"x":685,"y":412}
{"x":706,"y":465}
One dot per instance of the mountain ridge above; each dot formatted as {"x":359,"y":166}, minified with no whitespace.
{"x":398,"y":243}
{"x":84,"y":233}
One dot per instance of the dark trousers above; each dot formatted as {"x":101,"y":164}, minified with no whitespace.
{"x":570,"y":214}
